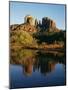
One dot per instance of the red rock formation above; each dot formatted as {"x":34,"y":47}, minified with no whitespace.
{"x":48,"y":23}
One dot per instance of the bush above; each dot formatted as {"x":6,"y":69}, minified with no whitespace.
{"x":21,"y":38}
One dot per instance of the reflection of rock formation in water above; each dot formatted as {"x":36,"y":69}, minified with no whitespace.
{"x":52,"y":65}
{"x":27,"y":69}
{"x":28,"y":66}
{"x":32,"y":60}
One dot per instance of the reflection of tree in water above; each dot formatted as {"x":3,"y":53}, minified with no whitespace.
{"x":44,"y":65}
{"x":33,"y":60}
{"x":46,"y":62}
{"x":21,"y":56}
{"x":25,"y":58}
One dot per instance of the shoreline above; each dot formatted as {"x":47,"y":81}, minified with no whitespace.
{"x":38,"y":48}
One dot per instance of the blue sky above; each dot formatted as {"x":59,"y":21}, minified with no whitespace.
{"x":19,"y":10}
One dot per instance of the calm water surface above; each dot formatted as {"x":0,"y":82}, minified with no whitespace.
{"x":36,"y":68}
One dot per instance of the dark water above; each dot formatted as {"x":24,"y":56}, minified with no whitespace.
{"x":36,"y":68}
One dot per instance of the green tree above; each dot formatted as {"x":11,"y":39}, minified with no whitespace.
{"x":21,"y":38}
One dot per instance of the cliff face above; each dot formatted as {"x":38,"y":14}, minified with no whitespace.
{"x":49,"y":25}
{"x":46,"y":25}
{"x":25,"y":27}
{"x":13,"y":27}
{"x":29,"y":19}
